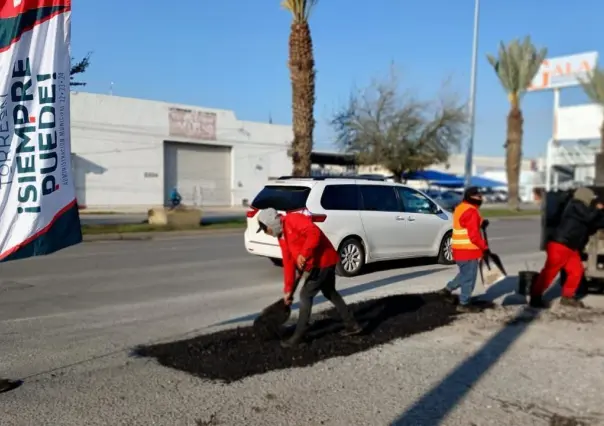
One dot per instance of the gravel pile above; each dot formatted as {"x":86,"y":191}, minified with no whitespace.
{"x":234,"y":354}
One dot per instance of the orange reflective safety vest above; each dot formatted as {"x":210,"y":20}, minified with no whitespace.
{"x":460,"y":239}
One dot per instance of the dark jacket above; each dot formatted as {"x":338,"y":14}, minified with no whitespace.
{"x":577,"y":224}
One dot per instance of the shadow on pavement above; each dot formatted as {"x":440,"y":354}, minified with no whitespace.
{"x":372,"y":285}
{"x":233,"y":354}
{"x":7,"y":385}
{"x":437,"y":403}
{"x":388,"y":265}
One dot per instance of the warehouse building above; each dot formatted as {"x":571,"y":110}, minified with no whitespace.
{"x":131,"y":153}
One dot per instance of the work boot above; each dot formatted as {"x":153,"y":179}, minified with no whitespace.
{"x":468,"y":308}
{"x":537,"y":302}
{"x":353,"y":329}
{"x":447,"y":295}
{"x":8,"y":385}
{"x":571,"y":302}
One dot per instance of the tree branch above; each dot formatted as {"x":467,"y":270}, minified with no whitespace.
{"x":382,"y":126}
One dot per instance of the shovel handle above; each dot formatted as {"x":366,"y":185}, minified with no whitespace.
{"x":299,"y":275}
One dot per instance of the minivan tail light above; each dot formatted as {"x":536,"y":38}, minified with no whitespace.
{"x":251,"y":212}
{"x":318,"y":218}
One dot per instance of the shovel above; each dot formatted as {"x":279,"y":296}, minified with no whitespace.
{"x":271,"y":319}
{"x":486,"y":260}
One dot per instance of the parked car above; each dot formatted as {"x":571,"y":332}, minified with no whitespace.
{"x":448,"y":200}
{"x":365,"y":219}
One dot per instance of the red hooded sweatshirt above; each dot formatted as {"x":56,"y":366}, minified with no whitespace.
{"x":302,"y":237}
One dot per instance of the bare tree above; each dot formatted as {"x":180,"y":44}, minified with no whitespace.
{"x":79,"y":67}
{"x":397,"y":131}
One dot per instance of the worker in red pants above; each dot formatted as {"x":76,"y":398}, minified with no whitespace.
{"x":579,"y":220}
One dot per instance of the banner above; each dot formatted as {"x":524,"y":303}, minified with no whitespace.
{"x":38,"y":209}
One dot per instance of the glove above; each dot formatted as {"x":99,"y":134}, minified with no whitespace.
{"x":485,"y":223}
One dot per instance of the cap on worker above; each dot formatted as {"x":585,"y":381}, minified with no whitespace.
{"x":471,"y":191}
{"x":268,"y":218}
{"x":585,"y":195}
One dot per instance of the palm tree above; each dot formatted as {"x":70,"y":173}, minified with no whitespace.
{"x":302,"y":74}
{"x":594,"y":89}
{"x":516,"y":66}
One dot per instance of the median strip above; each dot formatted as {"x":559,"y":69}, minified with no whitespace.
{"x":146,"y":231}
{"x":116,"y":231}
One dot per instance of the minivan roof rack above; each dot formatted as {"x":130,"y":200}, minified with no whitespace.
{"x":360,"y":177}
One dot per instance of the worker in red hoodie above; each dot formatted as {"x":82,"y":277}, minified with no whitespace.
{"x":468,"y":247}
{"x":304,"y":247}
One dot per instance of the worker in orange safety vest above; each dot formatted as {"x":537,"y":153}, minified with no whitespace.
{"x":468,"y":247}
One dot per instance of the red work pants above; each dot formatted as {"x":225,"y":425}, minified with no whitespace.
{"x":560,"y":257}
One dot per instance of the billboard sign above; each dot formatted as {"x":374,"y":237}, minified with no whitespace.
{"x":38,"y":210}
{"x":191,"y":124}
{"x":564,"y":71}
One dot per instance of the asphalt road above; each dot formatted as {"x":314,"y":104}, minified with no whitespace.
{"x":78,"y":313}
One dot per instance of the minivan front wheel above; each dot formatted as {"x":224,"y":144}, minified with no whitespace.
{"x":352,"y":258}
{"x":445,"y":253}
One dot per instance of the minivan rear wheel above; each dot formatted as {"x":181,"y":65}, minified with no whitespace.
{"x":352,"y":257}
{"x":445,"y":253}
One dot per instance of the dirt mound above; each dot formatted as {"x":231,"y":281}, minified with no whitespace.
{"x":234,"y":354}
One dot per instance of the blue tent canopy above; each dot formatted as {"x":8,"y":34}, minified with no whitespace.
{"x":453,"y":183}
{"x":483,"y":182}
{"x":448,"y":180}
{"x":430,"y":175}
{"x":480,"y":182}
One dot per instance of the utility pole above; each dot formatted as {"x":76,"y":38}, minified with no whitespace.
{"x":472,"y":103}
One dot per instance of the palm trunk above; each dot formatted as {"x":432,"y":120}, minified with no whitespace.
{"x":513,"y":156}
{"x":602,"y":138}
{"x":302,"y":74}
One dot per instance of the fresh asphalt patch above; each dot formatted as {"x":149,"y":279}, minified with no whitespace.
{"x":234,"y":354}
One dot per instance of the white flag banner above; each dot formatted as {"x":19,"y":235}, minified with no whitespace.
{"x":38,"y":210}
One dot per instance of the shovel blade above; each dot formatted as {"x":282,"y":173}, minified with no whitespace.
{"x":269,"y":323}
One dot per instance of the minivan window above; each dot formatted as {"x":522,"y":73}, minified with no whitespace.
{"x":415,"y":202}
{"x":282,"y":197}
{"x":379,"y":198}
{"x":340,"y":197}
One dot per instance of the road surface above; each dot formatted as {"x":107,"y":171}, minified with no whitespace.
{"x":68,"y":321}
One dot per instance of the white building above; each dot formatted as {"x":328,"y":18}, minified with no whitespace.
{"x":571,"y":152}
{"x":131,"y":153}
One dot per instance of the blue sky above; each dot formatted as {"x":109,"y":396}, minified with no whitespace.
{"x":233,"y":54}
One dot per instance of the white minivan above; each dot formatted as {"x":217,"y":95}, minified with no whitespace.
{"x":366,"y":220}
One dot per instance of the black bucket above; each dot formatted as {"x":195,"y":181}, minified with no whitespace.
{"x":526,"y":279}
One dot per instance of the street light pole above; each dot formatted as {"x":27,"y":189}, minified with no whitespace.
{"x":472,"y":102}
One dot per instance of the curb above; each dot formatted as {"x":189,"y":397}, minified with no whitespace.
{"x":158,"y":235}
